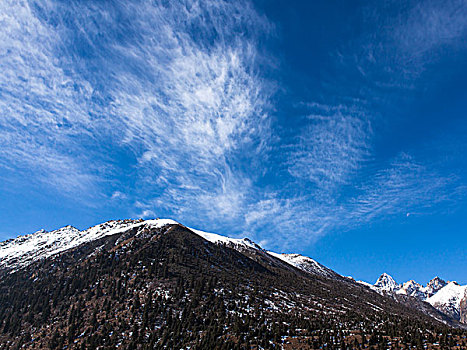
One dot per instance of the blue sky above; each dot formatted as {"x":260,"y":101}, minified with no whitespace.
{"x":335,"y":129}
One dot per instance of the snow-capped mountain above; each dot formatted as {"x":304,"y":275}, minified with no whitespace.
{"x":386,"y":283}
{"x":434,"y":285}
{"x":413,"y":289}
{"x":137,"y":282}
{"x":24,"y":250}
{"x":446,"y":297}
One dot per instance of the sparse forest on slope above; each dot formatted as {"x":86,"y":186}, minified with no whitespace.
{"x":165,"y":287}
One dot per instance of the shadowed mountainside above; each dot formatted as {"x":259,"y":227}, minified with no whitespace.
{"x":166,"y":287}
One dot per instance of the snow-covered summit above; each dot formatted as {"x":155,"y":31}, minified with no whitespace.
{"x":386,"y":283}
{"x":412,"y":289}
{"x":434,"y":285}
{"x":24,"y":250}
{"x":446,"y":297}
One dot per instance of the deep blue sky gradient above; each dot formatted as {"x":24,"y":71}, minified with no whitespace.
{"x":334,"y":129}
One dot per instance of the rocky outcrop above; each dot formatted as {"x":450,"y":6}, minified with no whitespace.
{"x":463,"y":310}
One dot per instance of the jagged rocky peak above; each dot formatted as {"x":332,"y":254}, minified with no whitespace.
{"x":413,"y":284}
{"x":463,"y":309}
{"x":434,"y":285}
{"x":386,"y":283}
{"x":448,"y":297}
{"x":448,"y":300}
{"x":413,"y":289}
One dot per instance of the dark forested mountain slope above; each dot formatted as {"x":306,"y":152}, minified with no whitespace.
{"x":166,"y":287}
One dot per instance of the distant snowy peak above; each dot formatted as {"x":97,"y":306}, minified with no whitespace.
{"x":412,"y":289}
{"x":386,"y":283}
{"x":434,"y":285}
{"x":448,"y":299}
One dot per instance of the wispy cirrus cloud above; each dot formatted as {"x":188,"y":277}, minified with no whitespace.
{"x":287,"y":222}
{"x":394,"y":190}
{"x":176,"y":85}
{"x":165,"y":106}
{"x":42,"y":108}
{"x":195,"y":114}
{"x":404,"y":40}
{"x":427,"y":28}
{"x":327,"y":155}
{"x":331,"y":147}
{"x":42,"y":164}
{"x":403,"y":186}
{"x":339,"y":180}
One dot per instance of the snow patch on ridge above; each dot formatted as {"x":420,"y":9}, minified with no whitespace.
{"x":301,"y":262}
{"x":218,"y":239}
{"x":304,"y":263}
{"x":24,"y":250}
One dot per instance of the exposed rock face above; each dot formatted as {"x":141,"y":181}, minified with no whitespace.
{"x":448,"y":299}
{"x":463,"y":309}
{"x":413,"y":289}
{"x":434,"y":285}
{"x":386,"y":283}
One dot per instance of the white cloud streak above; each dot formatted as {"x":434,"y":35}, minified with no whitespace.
{"x":428,"y":26}
{"x":404,"y":186}
{"x":40,"y":106}
{"x":406,"y":39}
{"x":199,"y":110}
{"x":181,"y":90}
{"x":331,"y":147}
{"x":337,"y":183}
